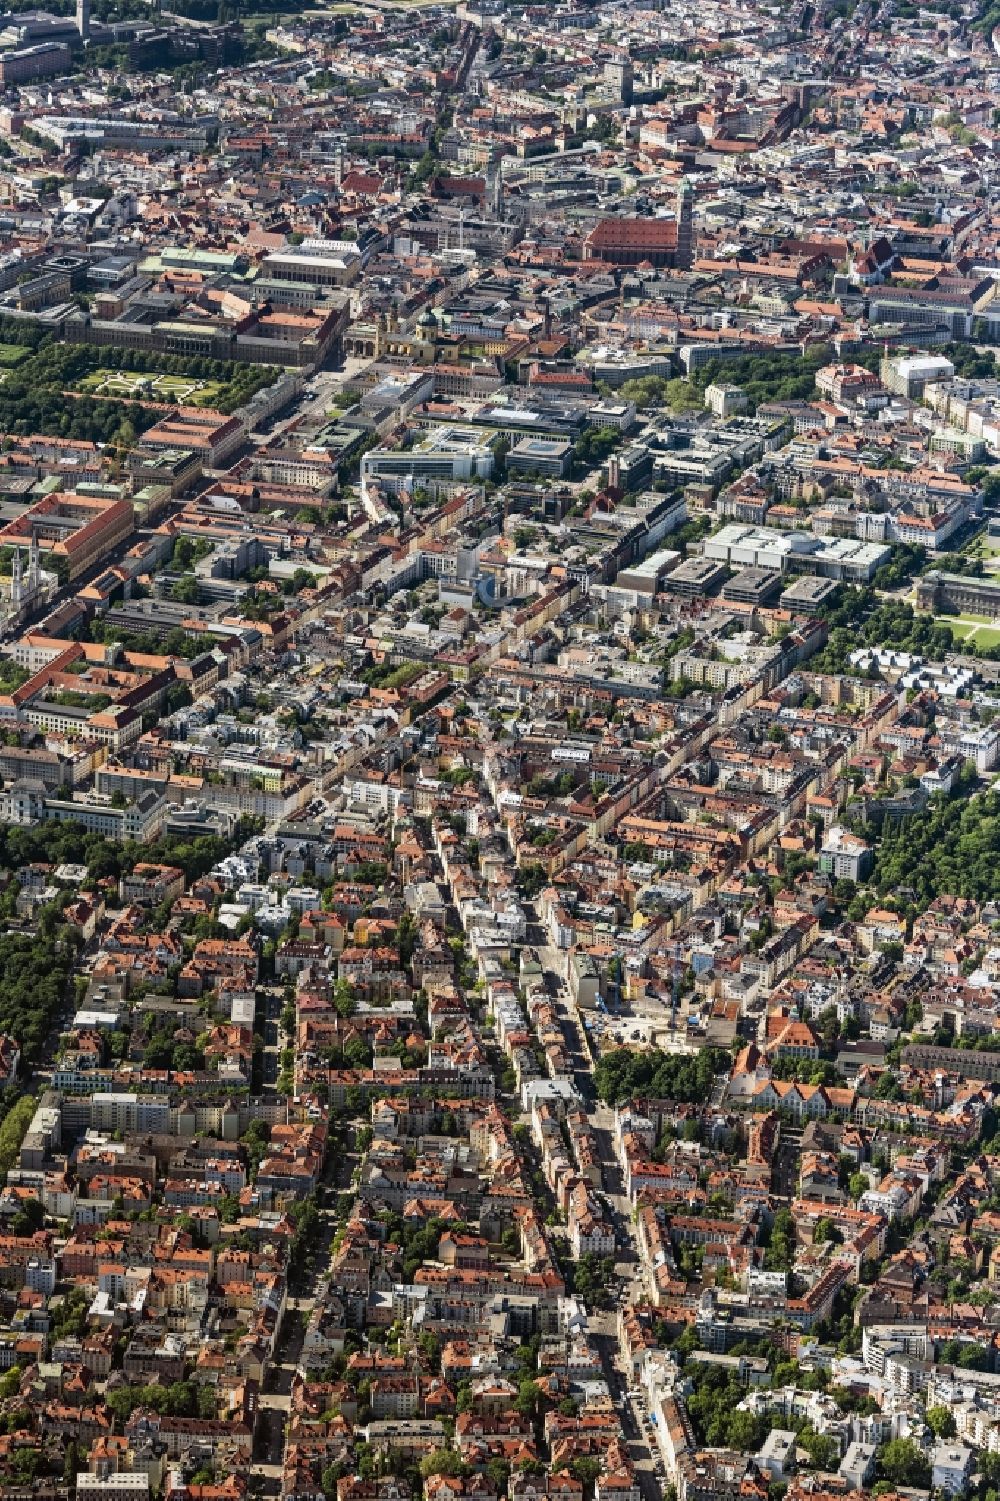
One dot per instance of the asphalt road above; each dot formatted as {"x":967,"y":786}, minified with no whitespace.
{"x":630,"y":1288}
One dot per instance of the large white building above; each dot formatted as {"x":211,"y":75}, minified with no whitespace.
{"x":323,"y":263}
{"x":123,"y":1485}
{"x":841,"y":558}
{"x":844,"y":856}
{"x":908,"y":376}
{"x":446,"y":455}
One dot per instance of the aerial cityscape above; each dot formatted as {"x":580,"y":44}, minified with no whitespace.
{"x":500,"y":750}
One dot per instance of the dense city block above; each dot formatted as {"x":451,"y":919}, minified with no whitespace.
{"x":499,"y":744}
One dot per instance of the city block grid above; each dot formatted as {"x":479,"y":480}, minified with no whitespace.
{"x":499,"y":688}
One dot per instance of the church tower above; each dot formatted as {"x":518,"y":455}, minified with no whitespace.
{"x":494,"y":190}
{"x":684,"y":258}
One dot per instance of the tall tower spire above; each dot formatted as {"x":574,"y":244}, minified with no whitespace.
{"x":684,"y":258}
{"x":494,"y":190}
{"x":15,"y":580}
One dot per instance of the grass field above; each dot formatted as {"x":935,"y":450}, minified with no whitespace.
{"x":987,"y":636}
{"x":984,"y":547}
{"x":978,"y":629}
{"x":185,"y":389}
{"x":12,"y":354}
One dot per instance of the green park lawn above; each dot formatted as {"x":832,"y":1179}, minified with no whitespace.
{"x":976,"y":628}
{"x":185,"y":389}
